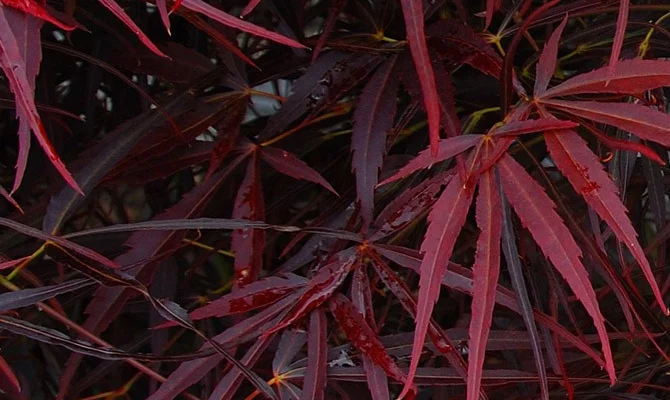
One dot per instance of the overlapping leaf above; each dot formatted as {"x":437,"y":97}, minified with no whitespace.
{"x":362,"y":336}
{"x":445,"y":222}
{"x":635,"y":118}
{"x":288,"y":164}
{"x":485,"y":271}
{"x":317,"y":345}
{"x":447,"y":148}
{"x":319,"y":289}
{"x":248,"y":244}
{"x":586,"y":174}
{"x":630,"y":77}
{"x":536,"y":211}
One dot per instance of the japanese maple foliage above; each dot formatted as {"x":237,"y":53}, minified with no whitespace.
{"x":334,"y":199}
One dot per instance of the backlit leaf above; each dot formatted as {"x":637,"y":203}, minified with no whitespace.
{"x":118,"y":11}
{"x":26,"y":29}
{"x":531,"y":126}
{"x":619,"y":35}
{"x":32,"y":7}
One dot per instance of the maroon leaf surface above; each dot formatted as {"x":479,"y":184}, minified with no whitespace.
{"x":288,"y":164}
{"x":445,"y":222}
{"x":362,"y":337}
{"x":20,"y":72}
{"x":629,"y":77}
{"x":587,"y":176}
{"x":247,"y":243}
{"x":448,"y":148}
{"x":317,"y":356}
{"x":635,"y":118}
{"x":485,"y":271}
{"x":536,"y":211}
{"x":373,"y":119}
{"x":413,"y":12}
{"x":322,"y":285}
{"x":546,"y":65}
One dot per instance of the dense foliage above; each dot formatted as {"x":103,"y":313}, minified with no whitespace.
{"x":334,"y":199}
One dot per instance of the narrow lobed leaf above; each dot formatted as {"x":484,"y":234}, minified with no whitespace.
{"x":248,"y":244}
{"x":314,"y":386}
{"x":630,"y":77}
{"x":15,"y":69}
{"x":619,"y":35}
{"x":324,"y":283}
{"x":413,"y":13}
{"x":485,"y":271}
{"x":537,"y":212}
{"x":362,"y":337}
{"x":515,"y":128}
{"x":587,"y":176}
{"x":445,"y":222}
{"x":373,"y":119}
{"x":218,"y":15}
{"x":447,"y":148}
{"x":546,"y":65}
{"x":635,"y":118}
{"x":288,"y":164}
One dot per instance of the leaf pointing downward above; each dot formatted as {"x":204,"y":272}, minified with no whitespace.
{"x":224,"y":18}
{"x":485,"y":273}
{"x":362,"y":336}
{"x":536,"y":211}
{"x":445,"y":222}
{"x":320,"y":288}
{"x":635,"y":118}
{"x":586,"y":174}
{"x":373,"y":119}
{"x":14,"y":67}
{"x":246,"y":243}
{"x":26,"y":29}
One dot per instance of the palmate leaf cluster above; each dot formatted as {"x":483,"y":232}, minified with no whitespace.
{"x":334,"y":198}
